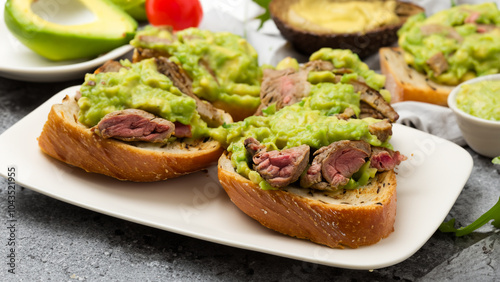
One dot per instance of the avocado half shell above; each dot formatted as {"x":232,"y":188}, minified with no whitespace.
{"x":364,"y":44}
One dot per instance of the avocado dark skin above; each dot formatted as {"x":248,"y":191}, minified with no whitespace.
{"x":308,"y":42}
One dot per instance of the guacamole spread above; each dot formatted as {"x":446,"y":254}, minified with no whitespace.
{"x":454,"y":45}
{"x":223,"y":66}
{"x":496,"y":160}
{"x":346,"y":59}
{"x":137,"y":86}
{"x":481,"y":99}
{"x":325,"y":16}
{"x":307,"y":122}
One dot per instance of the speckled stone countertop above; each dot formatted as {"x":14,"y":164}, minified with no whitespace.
{"x":61,"y":242}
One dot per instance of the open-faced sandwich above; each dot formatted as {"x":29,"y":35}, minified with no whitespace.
{"x":438,"y":52}
{"x":223,"y":67}
{"x":314,"y":165}
{"x":134,"y":121}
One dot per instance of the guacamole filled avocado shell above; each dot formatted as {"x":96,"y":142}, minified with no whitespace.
{"x":362,"y":43}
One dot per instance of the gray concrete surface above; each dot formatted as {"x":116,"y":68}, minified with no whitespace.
{"x":56,"y":241}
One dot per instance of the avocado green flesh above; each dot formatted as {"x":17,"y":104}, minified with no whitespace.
{"x":111,"y":29}
{"x":474,"y":52}
{"x":135,"y":8}
{"x":140,"y":86}
{"x":138,"y":12}
{"x":223,"y":66}
{"x":308,"y":122}
{"x":349,"y":60}
{"x":481,"y":99}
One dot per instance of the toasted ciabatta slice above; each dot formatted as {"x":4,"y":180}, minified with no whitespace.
{"x":344,"y":218}
{"x":67,"y":140}
{"x":407,"y":84}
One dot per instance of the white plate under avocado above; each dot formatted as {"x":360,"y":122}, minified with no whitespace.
{"x":21,"y":63}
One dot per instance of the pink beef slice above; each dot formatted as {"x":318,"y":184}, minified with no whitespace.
{"x":385,"y":159}
{"x":278,"y":168}
{"x":334,"y":164}
{"x":134,"y":125}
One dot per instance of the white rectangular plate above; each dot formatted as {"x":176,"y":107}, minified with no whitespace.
{"x":429,"y":182}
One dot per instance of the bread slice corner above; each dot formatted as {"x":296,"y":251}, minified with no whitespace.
{"x":406,"y":84}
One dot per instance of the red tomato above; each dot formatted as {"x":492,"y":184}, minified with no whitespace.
{"x":179,"y":14}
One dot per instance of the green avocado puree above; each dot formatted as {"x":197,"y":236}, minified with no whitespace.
{"x":481,"y":99}
{"x":347,"y":59}
{"x":223,"y":66}
{"x":138,"y":86}
{"x":467,"y":35}
{"x":307,"y":122}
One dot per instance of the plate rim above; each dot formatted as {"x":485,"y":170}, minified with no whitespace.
{"x":44,"y":108}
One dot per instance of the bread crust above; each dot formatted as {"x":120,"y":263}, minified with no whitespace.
{"x":69,"y":141}
{"x":352,"y":218}
{"x":406,"y":84}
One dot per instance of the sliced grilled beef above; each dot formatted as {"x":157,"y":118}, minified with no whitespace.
{"x":347,"y":114}
{"x":373,"y":98}
{"x":381,"y":129}
{"x":278,"y":168}
{"x":282,"y":87}
{"x":472,"y":18}
{"x":385,"y":159}
{"x":312,"y":178}
{"x":156,"y":39}
{"x":253,"y":146}
{"x":335,"y":163}
{"x":109,"y":66}
{"x":438,"y":63}
{"x":318,"y":65}
{"x":447,"y":31}
{"x":182,"y":130}
{"x":177,"y":75}
{"x":368,"y":111}
{"x":182,"y":81}
{"x":484,"y":28}
{"x":134,"y":125}
{"x":288,"y":86}
{"x":144,"y":53}
{"x":372,"y":104}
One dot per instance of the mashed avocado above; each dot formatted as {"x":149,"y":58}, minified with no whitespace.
{"x":223,"y":66}
{"x":138,"y":86}
{"x":346,"y":59}
{"x":481,"y":99}
{"x":325,"y":16}
{"x":307,"y":122}
{"x":496,"y":160}
{"x":454,"y":45}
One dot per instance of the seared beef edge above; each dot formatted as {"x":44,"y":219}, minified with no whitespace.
{"x":328,"y":168}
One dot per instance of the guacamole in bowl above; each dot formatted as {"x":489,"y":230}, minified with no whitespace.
{"x":476,"y":105}
{"x":454,"y":45}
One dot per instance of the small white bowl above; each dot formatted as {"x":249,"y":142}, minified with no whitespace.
{"x":483,"y":136}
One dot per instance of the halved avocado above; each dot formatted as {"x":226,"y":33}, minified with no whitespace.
{"x":135,"y":8}
{"x":112,"y":28}
{"x":363,"y":43}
